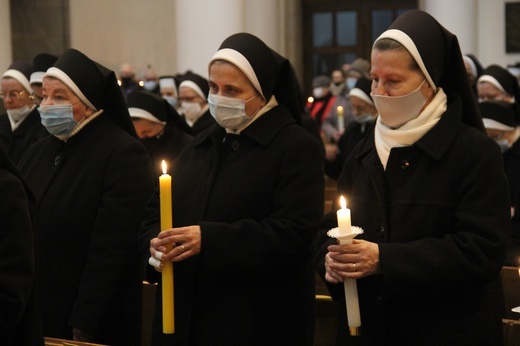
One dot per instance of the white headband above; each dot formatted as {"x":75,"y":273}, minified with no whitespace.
{"x":406,"y":41}
{"x":142,"y":114}
{"x":492,"y":80}
{"x":62,"y":76}
{"x":493,"y":124}
{"x":192,"y":85}
{"x":471,"y":64}
{"x":20,"y":77}
{"x":237,"y":59}
{"x":167,"y":83}
{"x":361,"y":94}
{"x":36,"y":77}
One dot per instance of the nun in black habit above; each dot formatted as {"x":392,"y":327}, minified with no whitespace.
{"x":497,"y":83}
{"x":427,"y":187}
{"x":20,"y":127}
{"x":160,"y":128}
{"x":20,"y":322}
{"x":248,"y":197}
{"x":91,"y":179}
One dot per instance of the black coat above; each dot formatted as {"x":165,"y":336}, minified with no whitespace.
{"x":440,"y":214}
{"x":205,"y":121}
{"x":258,"y":200}
{"x":19,"y":317}
{"x":512,"y":169}
{"x":16,"y":142}
{"x":91,"y":192}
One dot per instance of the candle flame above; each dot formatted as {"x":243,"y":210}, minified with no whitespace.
{"x":343,"y":202}
{"x":163,"y":165}
{"x":310,"y":99}
{"x":340,"y":109}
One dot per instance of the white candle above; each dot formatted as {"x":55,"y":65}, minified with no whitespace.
{"x":350,"y":285}
{"x":343,"y":214}
{"x":341,"y":119}
{"x":351,"y":300}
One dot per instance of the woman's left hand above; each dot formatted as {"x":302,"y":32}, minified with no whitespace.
{"x":186,"y":242}
{"x":353,"y":261}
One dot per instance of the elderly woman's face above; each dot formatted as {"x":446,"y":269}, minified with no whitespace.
{"x":226,"y":79}
{"x":54,"y":92}
{"x":393,"y":74}
{"x":487,"y":92}
{"x":13,"y":93}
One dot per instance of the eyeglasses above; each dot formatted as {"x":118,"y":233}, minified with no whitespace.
{"x":36,"y":99}
{"x":188,"y":99}
{"x":12,"y":94}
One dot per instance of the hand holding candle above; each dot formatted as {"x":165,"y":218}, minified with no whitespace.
{"x":165,"y":191}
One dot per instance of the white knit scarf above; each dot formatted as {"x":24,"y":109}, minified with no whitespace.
{"x":387,"y":138}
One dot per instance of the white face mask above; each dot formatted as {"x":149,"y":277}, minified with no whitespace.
{"x":504,"y":144}
{"x":150,"y":85}
{"x":395,"y":111}
{"x":191,"y":110}
{"x":18,"y":113}
{"x":229,"y":112}
{"x":318,"y":92}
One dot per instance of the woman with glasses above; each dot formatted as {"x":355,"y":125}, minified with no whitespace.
{"x":21,"y":126}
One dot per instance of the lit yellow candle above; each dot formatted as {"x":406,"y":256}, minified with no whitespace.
{"x":349,"y":285}
{"x":341,"y":119}
{"x":165,"y":191}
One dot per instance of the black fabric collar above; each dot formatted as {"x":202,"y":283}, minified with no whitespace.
{"x":262,"y":130}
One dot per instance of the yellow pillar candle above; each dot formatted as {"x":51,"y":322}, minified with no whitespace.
{"x":165,"y":194}
{"x":349,"y":285}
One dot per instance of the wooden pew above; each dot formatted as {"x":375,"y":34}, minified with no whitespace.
{"x":63,"y":342}
{"x":511,"y":286}
{"x":148,"y":311}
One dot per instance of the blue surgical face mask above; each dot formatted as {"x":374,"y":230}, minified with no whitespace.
{"x":363,"y":118}
{"x":171,"y":100}
{"x":351,"y":82}
{"x":150,"y":85}
{"x":58,"y":119}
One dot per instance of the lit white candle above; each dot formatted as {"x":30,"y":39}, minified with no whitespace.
{"x":341,"y":119}
{"x":350,"y":285}
{"x":344,"y":223}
